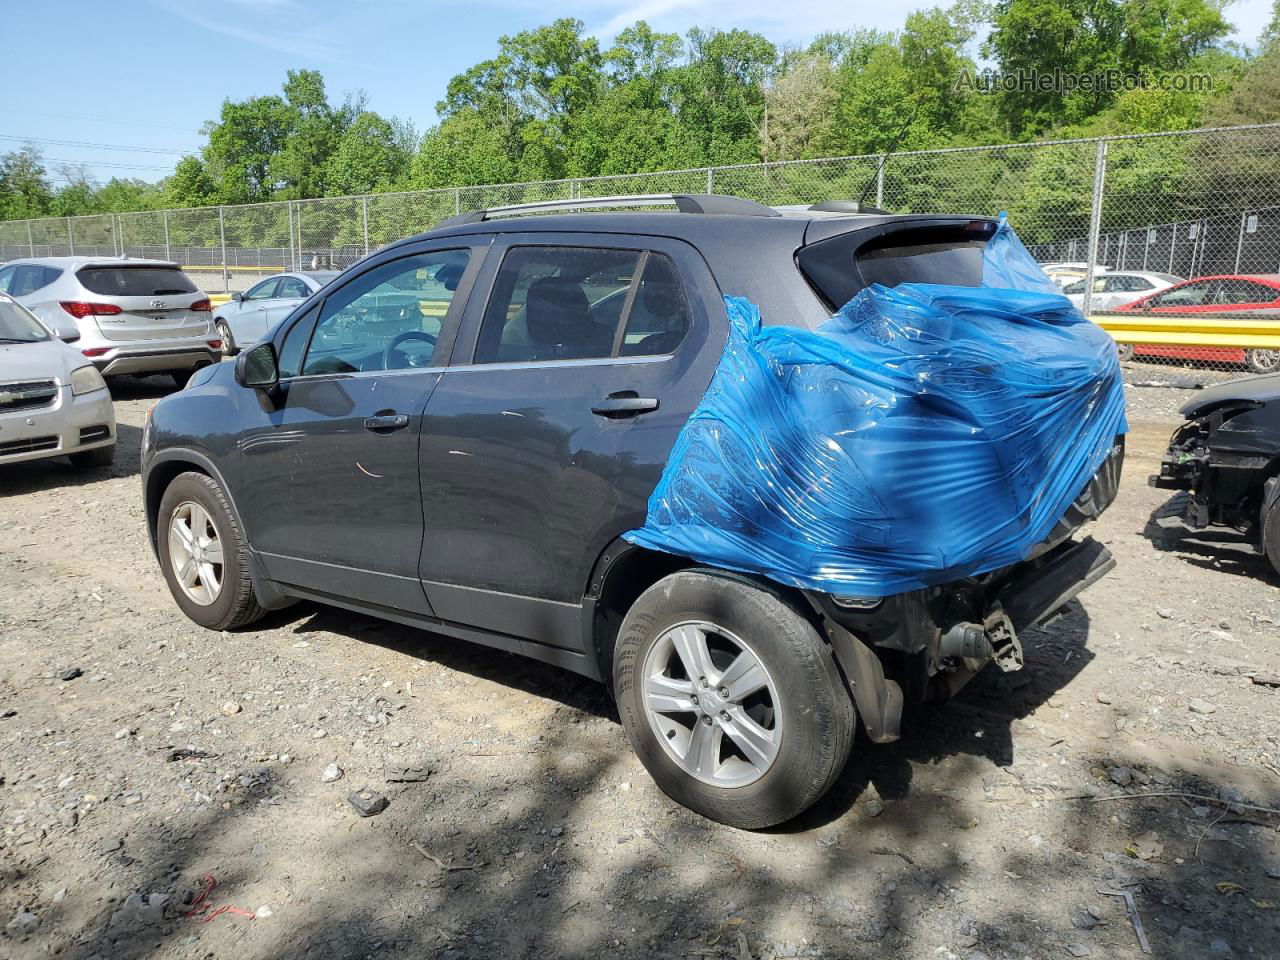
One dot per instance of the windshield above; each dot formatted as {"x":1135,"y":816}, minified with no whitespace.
{"x":17,"y":325}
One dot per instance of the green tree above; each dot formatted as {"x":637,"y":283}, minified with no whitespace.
{"x":370,"y":157}
{"x":24,"y":188}
{"x":719,"y":92}
{"x":1089,"y":37}
{"x":311,"y":132}
{"x":189,"y":185}
{"x":243,"y":144}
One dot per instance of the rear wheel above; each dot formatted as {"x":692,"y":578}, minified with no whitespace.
{"x":94,"y":459}
{"x":1263,"y":361}
{"x":202,"y":554}
{"x":731,"y":699}
{"x":229,"y":348}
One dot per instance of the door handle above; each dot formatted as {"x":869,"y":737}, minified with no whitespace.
{"x":385,"y":423}
{"x":624,"y":404}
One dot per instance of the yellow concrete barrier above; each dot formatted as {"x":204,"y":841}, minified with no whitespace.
{"x":1256,"y":333}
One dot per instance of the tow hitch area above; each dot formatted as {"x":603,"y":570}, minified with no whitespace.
{"x":1028,"y":601}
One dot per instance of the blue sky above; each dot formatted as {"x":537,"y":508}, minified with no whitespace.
{"x":148,"y":73}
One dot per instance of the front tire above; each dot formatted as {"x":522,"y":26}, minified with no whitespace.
{"x":94,"y":459}
{"x":203,"y":555}
{"x":731,"y":699}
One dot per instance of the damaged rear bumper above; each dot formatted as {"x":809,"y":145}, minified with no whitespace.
{"x":926,"y":644}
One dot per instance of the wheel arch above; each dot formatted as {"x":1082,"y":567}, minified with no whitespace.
{"x":167,"y":466}
{"x":624,"y":571}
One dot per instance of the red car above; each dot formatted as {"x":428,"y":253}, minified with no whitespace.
{"x":1259,"y":295}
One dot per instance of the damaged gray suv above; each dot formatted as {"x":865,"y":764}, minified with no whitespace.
{"x":457,"y":432}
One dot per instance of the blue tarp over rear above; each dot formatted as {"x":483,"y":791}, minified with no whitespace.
{"x":924,"y":434}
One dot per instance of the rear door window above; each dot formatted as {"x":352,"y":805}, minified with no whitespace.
{"x":1246,"y":291}
{"x":582,"y":303}
{"x":135,"y":281}
{"x":293,"y":289}
{"x":30,"y":277}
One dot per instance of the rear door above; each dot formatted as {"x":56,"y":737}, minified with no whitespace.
{"x":291,"y":292}
{"x":1248,"y":295}
{"x":580,"y":358}
{"x":143,"y":302}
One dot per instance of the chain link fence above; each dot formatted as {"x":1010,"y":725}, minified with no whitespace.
{"x":1171,"y":240}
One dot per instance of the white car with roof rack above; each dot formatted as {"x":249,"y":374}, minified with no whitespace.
{"x":130,"y":315}
{"x":53,"y":402}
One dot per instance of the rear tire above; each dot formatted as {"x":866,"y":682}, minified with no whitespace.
{"x":1262,"y":361}
{"x":221,"y":598}
{"x":229,"y":348}
{"x":94,"y":459}
{"x":802,"y":717}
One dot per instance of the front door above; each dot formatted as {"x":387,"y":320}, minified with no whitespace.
{"x":331,"y":469}
{"x":553,"y":423}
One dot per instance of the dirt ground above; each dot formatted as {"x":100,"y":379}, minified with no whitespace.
{"x":178,"y":758}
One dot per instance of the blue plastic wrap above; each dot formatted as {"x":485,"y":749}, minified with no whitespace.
{"x":924,"y":434}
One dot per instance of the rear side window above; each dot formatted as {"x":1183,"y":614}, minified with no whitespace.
{"x":582,"y":303}
{"x":135,"y":281}
{"x":837,"y":268}
{"x":28,"y":278}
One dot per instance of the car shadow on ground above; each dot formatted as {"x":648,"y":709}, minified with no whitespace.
{"x":141,"y":388}
{"x":508,"y":669}
{"x":1213,"y":548}
{"x":977,"y":723}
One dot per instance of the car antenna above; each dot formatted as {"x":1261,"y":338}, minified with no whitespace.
{"x":884,"y":157}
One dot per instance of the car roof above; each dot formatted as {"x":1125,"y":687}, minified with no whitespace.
{"x":72,"y":263}
{"x":751,"y":256}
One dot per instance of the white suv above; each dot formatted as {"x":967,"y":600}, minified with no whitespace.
{"x":52,"y":403}
{"x":131,"y":316}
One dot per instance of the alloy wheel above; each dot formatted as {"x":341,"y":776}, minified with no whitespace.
{"x":195,"y":552}
{"x":712,"y":704}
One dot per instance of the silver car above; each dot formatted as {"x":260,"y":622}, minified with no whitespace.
{"x":249,"y":315}
{"x":52,"y":402}
{"x":1119,"y":287}
{"x":129,"y":315}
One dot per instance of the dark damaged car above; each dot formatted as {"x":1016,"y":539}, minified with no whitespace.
{"x":459,"y":432}
{"x":1226,"y":461}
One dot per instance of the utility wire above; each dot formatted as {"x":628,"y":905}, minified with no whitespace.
{"x":96,"y":146}
{"x":117,"y":166}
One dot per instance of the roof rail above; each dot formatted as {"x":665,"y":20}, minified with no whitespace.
{"x":684,"y":202}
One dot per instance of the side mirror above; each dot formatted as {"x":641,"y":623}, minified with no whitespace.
{"x":67,"y":334}
{"x":237,"y":296}
{"x":257,"y":368}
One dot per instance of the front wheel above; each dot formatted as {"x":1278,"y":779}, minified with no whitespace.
{"x":1263,"y":361}
{"x":94,"y":459}
{"x":203,"y":556}
{"x":731,"y":699}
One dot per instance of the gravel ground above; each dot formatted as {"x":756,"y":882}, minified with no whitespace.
{"x":167,"y":792}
